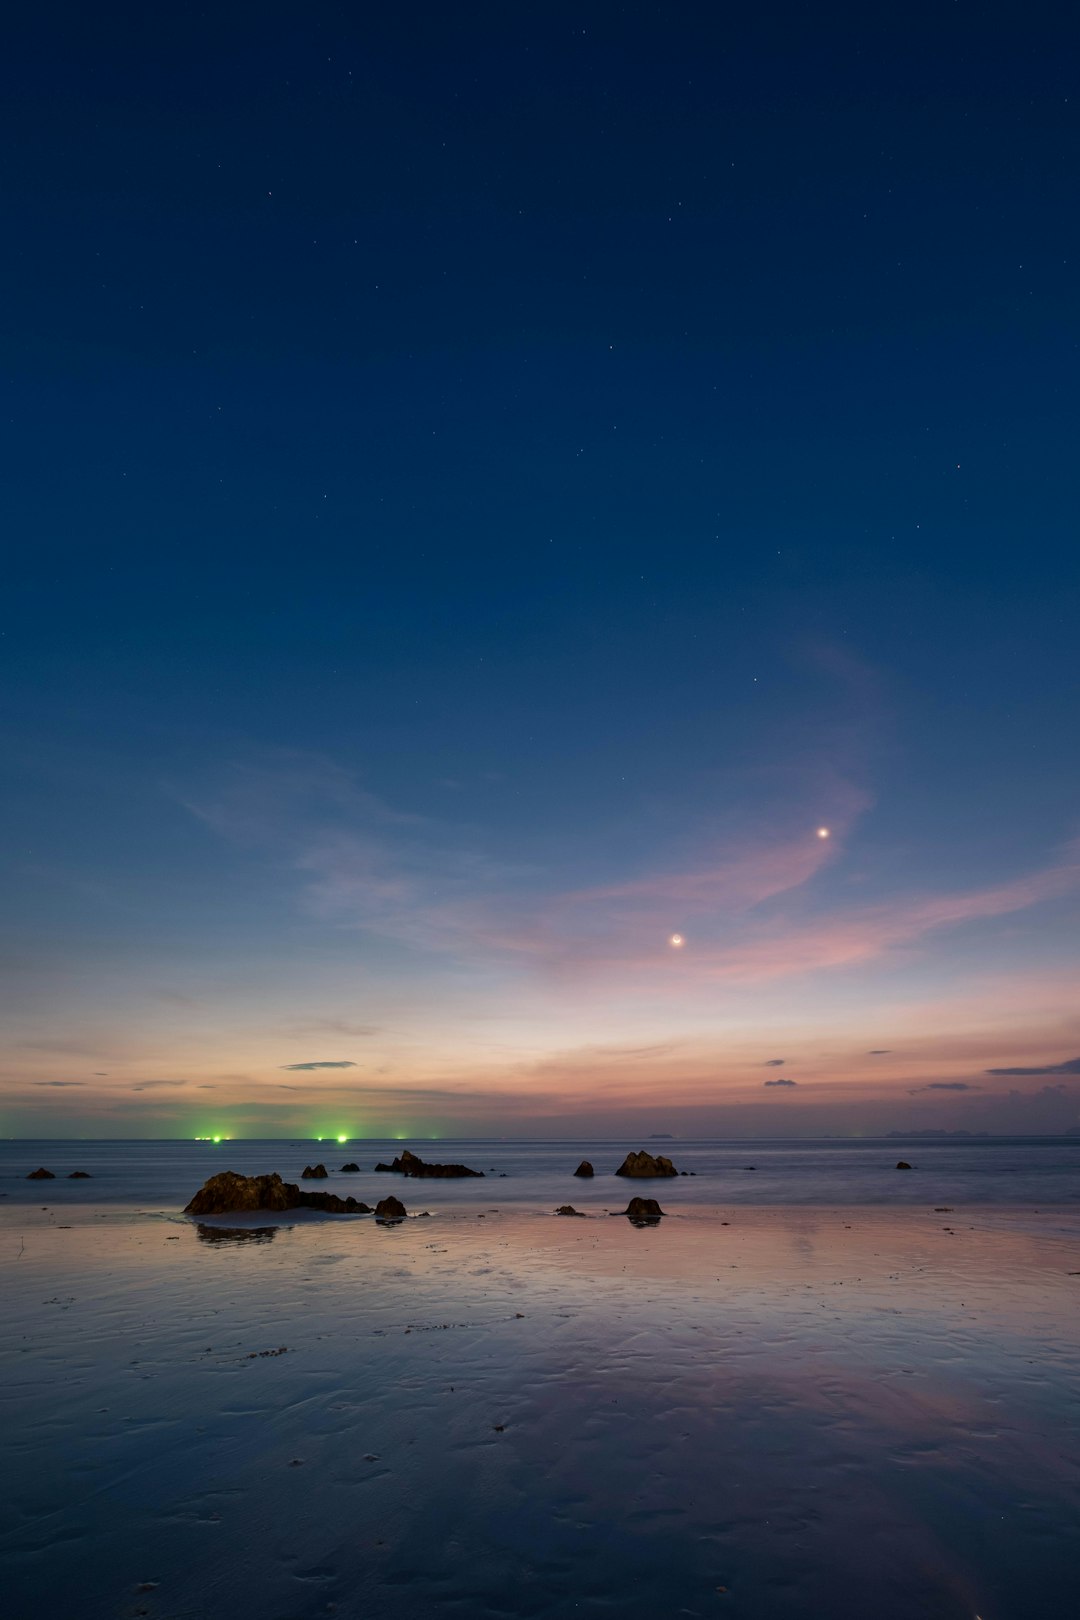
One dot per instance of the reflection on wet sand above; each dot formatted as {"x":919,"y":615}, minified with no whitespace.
{"x":235,"y":1234}
{"x":822,"y":1413}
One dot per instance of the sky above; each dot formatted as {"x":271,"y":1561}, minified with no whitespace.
{"x":541,"y":582}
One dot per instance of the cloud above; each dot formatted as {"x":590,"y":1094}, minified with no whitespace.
{"x":943,"y":1085}
{"x":879,"y":1051}
{"x":1069,"y":1066}
{"x":782,"y":1081}
{"x":147,"y":1085}
{"x":342,"y":1063}
{"x":749,"y":900}
{"x":59,"y":1084}
{"x":774,"y":1063}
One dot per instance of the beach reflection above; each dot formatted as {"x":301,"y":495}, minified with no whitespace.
{"x":825,"y":1413}
{"x":235,"y":1234}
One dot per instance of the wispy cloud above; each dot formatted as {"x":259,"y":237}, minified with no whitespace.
{"x":328,"y":1063}
{"x":942,"y":1085}
{"x":782,"y":1081}
{"x":60,"y":1085}
{"x":752,"y":905}
{"x":774,"y":1063}
{"x":1069,"y":1066}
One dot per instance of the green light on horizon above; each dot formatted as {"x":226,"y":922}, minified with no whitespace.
{"x":343,"y":1138}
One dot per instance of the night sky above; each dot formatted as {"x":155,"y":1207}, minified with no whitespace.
{"x":486,"y":487}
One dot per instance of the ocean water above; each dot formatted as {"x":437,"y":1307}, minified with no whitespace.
{"x":537,"y":1175}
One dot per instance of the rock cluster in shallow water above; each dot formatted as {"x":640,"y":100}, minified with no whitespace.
{"x":314,"y":1172}
{"x":643,"y":1164}
{"x":229,"y":1193}
{"x":410,"y":1164}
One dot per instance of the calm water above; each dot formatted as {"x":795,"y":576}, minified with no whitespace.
{"x":534,"y":1175}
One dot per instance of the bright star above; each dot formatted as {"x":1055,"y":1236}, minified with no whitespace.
{"x":823,"y":832}
{"x":676,"y":940}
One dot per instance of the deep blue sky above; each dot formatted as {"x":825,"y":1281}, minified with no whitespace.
{"x":474,"y":474}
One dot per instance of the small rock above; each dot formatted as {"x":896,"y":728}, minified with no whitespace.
{"x":568,"y":1209}
{"x":80,"y":1175}
{"x":314,"y":1172}
{"x":643,"y":1164}
{"x":350,"y":1167}
{"x":643,"y":1211}
{"x":584,"y":1169}
{"x":41,"y":1175}
{"x":390,"y":1209}
{"x":902,"y":1164}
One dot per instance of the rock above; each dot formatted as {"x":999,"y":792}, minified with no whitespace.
{"x":390,"y":1208}
{"x":643,"y":1164}
{"x":642,"y":1210}
{"x":568,"y":1209}
{"x":80,"y":1175}
{"x":314,"y":1172}
{"x":41,"y":1175}
{"x":410,"y":1164}
{"x":584,"y":1169}
{"x":228,"y":1193}
{"x":331,"y":1204}
{"x":350,"y":1167}
{"x":902,"y":1164}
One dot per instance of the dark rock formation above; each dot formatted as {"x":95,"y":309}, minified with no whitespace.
{"x":79,"y":1175}
{"x":643,"y":1164}
{"x":410,"y":1164}
{"x":902,"y":1164}
{"x":331,"y":1204}
{"x":41,"y":1175}
{"x":568,"y":1209}
{"x":314,"y":1172}
{"x":350,"y":1167}
{"x":584,"y":1169}
{"x":390,"y":1209}
{"x":229,"y":1193}
{"x":643,"y":1211}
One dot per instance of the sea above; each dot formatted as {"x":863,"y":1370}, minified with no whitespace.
{"x":533,"y":1175}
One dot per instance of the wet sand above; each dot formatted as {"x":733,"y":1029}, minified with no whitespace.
{"x":802,"y":1412}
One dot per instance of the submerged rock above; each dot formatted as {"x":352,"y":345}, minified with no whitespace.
{"x":568,"y":1209}
{"x":643,"y":1164}
{"x":584,"y":1169}
{"x":350,"y":1167}
{"x":314,"y":1172}
{"x":229,"y":1193}
{"x":643,"y":1211}
{"x":390,"y":1208}
{"x":80,"y":1175}
{"x":902,"y":1164}
{"x":410,"y":1164}
{"x":41,"y":1175}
